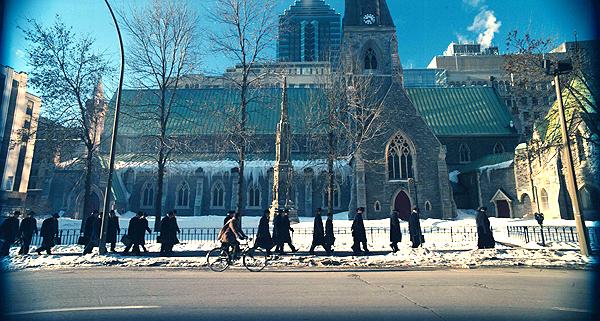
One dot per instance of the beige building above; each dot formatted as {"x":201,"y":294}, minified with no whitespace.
{"x":19,"y":111}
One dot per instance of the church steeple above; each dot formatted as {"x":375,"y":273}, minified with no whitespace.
{"x":372,"y":13}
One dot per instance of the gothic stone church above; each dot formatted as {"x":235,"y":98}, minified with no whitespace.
{"x":431,"y":131}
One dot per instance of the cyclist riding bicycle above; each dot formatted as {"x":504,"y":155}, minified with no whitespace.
{"x":231,"y":233}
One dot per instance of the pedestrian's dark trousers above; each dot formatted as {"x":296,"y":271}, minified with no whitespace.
{"x":325,"y":246}
{"x":281,"y":245}
{"x":5,"y":249}
{"x":45,"y":246}
{"x":356,"y":246}
{"x":136,"y":248}
{"x":112,"y":246}
{"x":26,"y":244}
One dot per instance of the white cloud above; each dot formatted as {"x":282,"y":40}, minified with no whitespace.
{"x":20,"y":53}
{"x":462,"y":39}
{"x":487,"y":25}
{"x":473,"y":3}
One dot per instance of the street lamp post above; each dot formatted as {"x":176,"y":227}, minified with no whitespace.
{"x":556,"y":70}
{"x":113,"y":143}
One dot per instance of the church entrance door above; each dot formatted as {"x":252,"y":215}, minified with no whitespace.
{"x":402,"y":205}
{"x":502,"y":209}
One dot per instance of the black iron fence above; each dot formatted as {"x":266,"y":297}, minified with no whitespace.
{"x":450,"y":234}
{"x":567,"y":234}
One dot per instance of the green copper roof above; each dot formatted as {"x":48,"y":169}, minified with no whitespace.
{"x":487,"y":161}
{"x":470,"y":111}
{"x":462,"y":111}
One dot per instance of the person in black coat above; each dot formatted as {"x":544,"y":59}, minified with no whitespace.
{"x":318,"y":233}
{"x":277,"y":231}
{"x":94,"y":240}
{"x":145,"y":228}
{"x":88,"y":228}
{"x":284,"y":233}
{"x":414,"y":228}
{"x":27,"y":229}
{"x":112,"y":230}
{"x":359,"y":235}
{"x":136,"y":234}
{"x":395,"y":232}
{"x":9,"y":232}
{"x":485,"y":236}
{"x":48,"y":232}
{"x":329,"y":235}
{"x":263,"y":236}
{"x":168,"y":234}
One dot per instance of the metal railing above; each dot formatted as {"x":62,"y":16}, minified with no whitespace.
{"x":566,"y":234}
{"x":451,"y":234}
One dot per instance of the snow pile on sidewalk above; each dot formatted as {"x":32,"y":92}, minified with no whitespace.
{"x":67,"y":257}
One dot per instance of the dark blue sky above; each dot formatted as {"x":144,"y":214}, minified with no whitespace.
{"x":425,"y":27}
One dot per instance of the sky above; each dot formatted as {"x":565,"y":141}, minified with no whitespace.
{"x":424,"y":27}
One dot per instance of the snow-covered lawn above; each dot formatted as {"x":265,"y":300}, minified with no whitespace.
{"x":438,"y":251}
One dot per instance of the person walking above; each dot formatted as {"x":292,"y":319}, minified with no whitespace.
{"x":318,"y":233}
{"x":414,"y":228}
{"x":48,"y":232}
{"x":395,"y":232}
{"x":112,"y":230}
{"x":485,"y":236}
{"x":145,"y":228}
{"x":88,"y":228}
{"x":95,"y":234}
{"x":359,"y":234}
{"x":277,"y":233}
{"x":168,"y":234}
{"x":329,"y":235}
{"x":263,"y":235}
{"x":135,"y":234}
{"x":285,"y":228}
{"x":9,"y":232}
{"x":27,"y":229}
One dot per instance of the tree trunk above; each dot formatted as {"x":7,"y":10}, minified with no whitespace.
{"x":159,"y":192}
{"x":87,"y":189}
{"x":242,"y":147}
{"x":330,"y":171}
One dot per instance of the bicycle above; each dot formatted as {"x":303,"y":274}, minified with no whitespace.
{"x":221,"y":258}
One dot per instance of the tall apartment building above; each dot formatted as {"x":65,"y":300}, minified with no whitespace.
{"x":19,"y":112}
{"x":310,"y":30}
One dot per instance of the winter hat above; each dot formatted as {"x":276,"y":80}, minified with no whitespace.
{"x":55,"y":215}
{"x":482,"y":209}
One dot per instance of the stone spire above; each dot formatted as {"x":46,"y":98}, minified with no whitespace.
{"x":282,"y":170}
{"x":358,"y":13}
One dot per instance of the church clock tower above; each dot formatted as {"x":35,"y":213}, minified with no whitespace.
{"x":405,"y":166}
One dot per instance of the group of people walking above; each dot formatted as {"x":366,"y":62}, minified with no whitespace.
{"x":134,"y":240}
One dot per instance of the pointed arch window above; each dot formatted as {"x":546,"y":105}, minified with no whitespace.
{"x":377,"y":206}
{"x":464,"y":153}
{"x":498,"y":148}
{"x":586,"y":199}
{"x":336,"y":196}
{"x":148,"y":195}
{"x":428,"y":206}
{"x":218,"y":196}
{"x":370,"y":59}
{"x":254,"y":196}
{"x":399,"y":159}
{"x":183,"y":195}
{"x":544,"y":199}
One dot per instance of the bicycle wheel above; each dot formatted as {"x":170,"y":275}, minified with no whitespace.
{"x":217,"y":259}
{"x":255,"y":259}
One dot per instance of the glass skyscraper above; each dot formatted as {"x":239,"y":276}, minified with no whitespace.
{"x":310,"y":30}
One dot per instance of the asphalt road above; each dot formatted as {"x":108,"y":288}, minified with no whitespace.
{"x":163,"y":294}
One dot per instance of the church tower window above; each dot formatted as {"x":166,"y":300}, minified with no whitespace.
{"x":399,"y":159}
{"x":370,"y":60}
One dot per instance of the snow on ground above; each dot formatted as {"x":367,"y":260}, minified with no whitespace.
{"x":438,"y":251}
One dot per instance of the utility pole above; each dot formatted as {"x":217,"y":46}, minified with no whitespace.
{"x":113,"y":143}
{"x":556,"y":71}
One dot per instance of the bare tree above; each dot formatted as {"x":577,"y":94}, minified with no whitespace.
{"x":162,"y":48}
{"x":344,"y":114}
{"x":244,"y":33}
{"x":67,"y":70}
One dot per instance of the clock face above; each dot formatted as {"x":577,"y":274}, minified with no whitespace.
{"x":369,"y":19}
